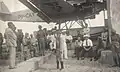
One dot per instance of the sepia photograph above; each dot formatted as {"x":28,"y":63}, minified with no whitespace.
{"x":59,"y":36}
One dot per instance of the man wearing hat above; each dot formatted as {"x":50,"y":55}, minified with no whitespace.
{"x":87,"y":47}
{"x":41,"y":40}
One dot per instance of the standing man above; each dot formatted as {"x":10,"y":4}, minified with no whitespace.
{"x":63,"y":44}
{"x":68,"y":40}
{"x":19,"y":39}
{"x":52,"y":41}
{"x":1,"y":42}
{"x":78,"y":47}
{"x":59,"y":52}
{"x":33,"y":45}
{"x":45,"y":32}
{"x":104,"y":36}
{"x":11,"y":40}
{"x":41,"y":40}
{"x":27,"y":44}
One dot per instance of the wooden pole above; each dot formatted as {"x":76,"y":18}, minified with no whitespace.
{"x":59,"y":29}
{"x":109,"y":20}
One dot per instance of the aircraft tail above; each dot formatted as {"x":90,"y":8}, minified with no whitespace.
{"x":3,"y":9}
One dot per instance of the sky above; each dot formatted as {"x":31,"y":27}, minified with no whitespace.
{"x":15,"y":5}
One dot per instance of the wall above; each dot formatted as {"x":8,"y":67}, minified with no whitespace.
{"x":115,"y":15}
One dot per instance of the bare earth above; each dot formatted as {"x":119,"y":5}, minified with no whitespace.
{"x":74,"y":65}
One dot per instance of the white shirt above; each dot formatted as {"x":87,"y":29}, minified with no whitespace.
{"x":52,"y":38}
{"x":78,"y":43}
{"x":48,"y":37}
{"x":69,"y":37}
{"x":63,"y":38}
{"x":88,"y":43}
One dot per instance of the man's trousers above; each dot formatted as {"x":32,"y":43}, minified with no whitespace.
{"x":12,"y":57}
{"x":41,"y":45}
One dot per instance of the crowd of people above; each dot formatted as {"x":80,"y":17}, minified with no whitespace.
{"x":29,"y":45}
{"x":59,"y":42}
{"x":33,"y":45}
{"x":86,"y":45}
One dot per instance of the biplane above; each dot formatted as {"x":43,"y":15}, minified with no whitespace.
{"x":56,"y":10}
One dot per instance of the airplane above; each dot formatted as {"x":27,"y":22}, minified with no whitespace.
{"x":55,"y":10}
{"x":21,"y":16}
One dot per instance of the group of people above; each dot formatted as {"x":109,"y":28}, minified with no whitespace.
{"x":36,"y":44}
{"x":85,"y":45}
{"x":59,"y":42}
{"x":104,"y":43}
{"x":28,"y":45}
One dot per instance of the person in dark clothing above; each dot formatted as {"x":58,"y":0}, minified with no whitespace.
{"x":78,"y":47}
{"x":100,"y":47}
{"x":19,"y":39}
{"x":1,"y":42}
{"x":46,"y":42}
{"x":115,"y":47}
{"x":104,"y":37}
{"x":41,"y":40}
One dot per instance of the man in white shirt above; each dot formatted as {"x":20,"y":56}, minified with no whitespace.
{"x":68,"y":40}
{"x":78,"y":47}
{"x":63,"y":44}
{"x":87,"y":47}
{"x":52,"y":40}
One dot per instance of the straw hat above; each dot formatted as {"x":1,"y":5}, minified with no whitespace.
{"x":86,"y":35}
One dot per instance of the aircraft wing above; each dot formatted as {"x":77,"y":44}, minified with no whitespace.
{"x":49,"y":10}
{"x":25,"y":15}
